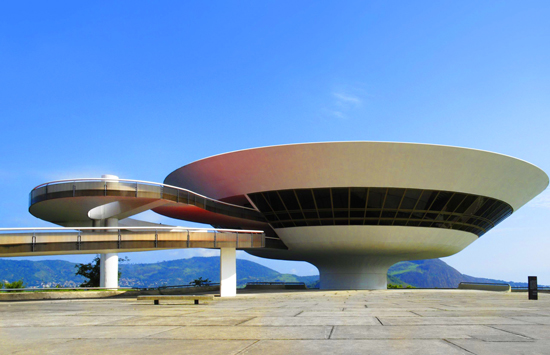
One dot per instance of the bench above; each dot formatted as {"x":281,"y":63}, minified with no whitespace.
{"x":157,"y":298}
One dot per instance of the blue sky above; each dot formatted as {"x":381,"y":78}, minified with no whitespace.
{"x":138,"y":89}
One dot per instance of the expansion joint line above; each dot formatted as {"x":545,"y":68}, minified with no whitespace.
{"x":457,"y":346}
{"x":331,"y":331}
{"x":244,"y":321}
{"x":247,"y":347}
{"x":508,"y":331}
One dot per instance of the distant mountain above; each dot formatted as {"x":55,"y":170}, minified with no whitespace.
{"x":183,"y":271}
{"x":45,"y":273}
{"x":433,"y":273}
{"x":48,"y":273}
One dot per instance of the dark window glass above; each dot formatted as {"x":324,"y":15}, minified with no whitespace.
{"x":260,"y":202}
{"x":465,"y":204}
{"x":376,"y":197}
{"x":340,"y":197}
{"x":306,"y":199}
{"x":372,"y":214}
{"x":283,"y":216}
{"x":385,"y":206}
{"x":341,"y":214}
{"x":409,"y":201}
{"x":322,"y":198}
{"x":431,"y":216}
{"x":310,"y":215}
{"x":393,"y":199}
{"x":425,"y":200}
{"x":388,"y":214}
{"x":405,"y":215}
{"x":493,"y":206}
{"x":476,"y":205}
{"x":441,"y":201}
{"x":358,"y":197}
{"x":290,"y":200}
{"x":455,"y":201}
{"x":274,"y":201}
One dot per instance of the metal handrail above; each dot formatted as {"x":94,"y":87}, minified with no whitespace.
{"x":64,"y":288}
{"x":172,"y":229}
{"x":140,"y":182}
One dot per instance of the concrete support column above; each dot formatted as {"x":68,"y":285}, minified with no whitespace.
{"x":353,"y":272}
{"x":108,"y":275}
{"x":228,"y":272}
{"x":110,"y":270}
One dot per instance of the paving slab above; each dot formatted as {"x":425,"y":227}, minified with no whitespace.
{"x":57,"y":321}
{"x":448,"y":320}
{"x":347,"y":347}
{"x":294,"y":321}
{"x":509,"y":348}
{"x":97,"y":332}
{"x":246,"y":333}
{"x":423,"y":332}
{"x":139,"y":346}
{"x":181,"y":321}
{"x":541,"y":332}
{"x":535,"y":319}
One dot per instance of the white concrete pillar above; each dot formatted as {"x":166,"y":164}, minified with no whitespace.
{"x":228,"y":272}
{"x":108,"y":275}
{"x":111,"y":270}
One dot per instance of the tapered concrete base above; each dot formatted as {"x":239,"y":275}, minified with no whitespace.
{"x":354,"y":272}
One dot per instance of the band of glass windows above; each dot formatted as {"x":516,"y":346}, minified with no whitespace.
{"x":381,"y":206}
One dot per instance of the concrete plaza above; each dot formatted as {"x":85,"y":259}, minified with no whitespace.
{"x":302,"y":322}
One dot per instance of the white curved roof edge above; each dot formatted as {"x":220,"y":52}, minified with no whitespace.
{"x":384,"y":142}
{"x":484,"y":189}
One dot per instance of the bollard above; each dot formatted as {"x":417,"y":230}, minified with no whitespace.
{"x":532,"y":284}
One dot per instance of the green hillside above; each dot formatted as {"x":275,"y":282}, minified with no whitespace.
{"x":48,"y":273}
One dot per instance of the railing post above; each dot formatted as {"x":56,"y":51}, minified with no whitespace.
{"x":119,"y":238}
{"x":33,"y":240}
{"x":215,"y":235}
{"x":188,"y":238}
{"x":156,"y":239}
{"x":78,"y":240}
{"x":237,"y":240}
